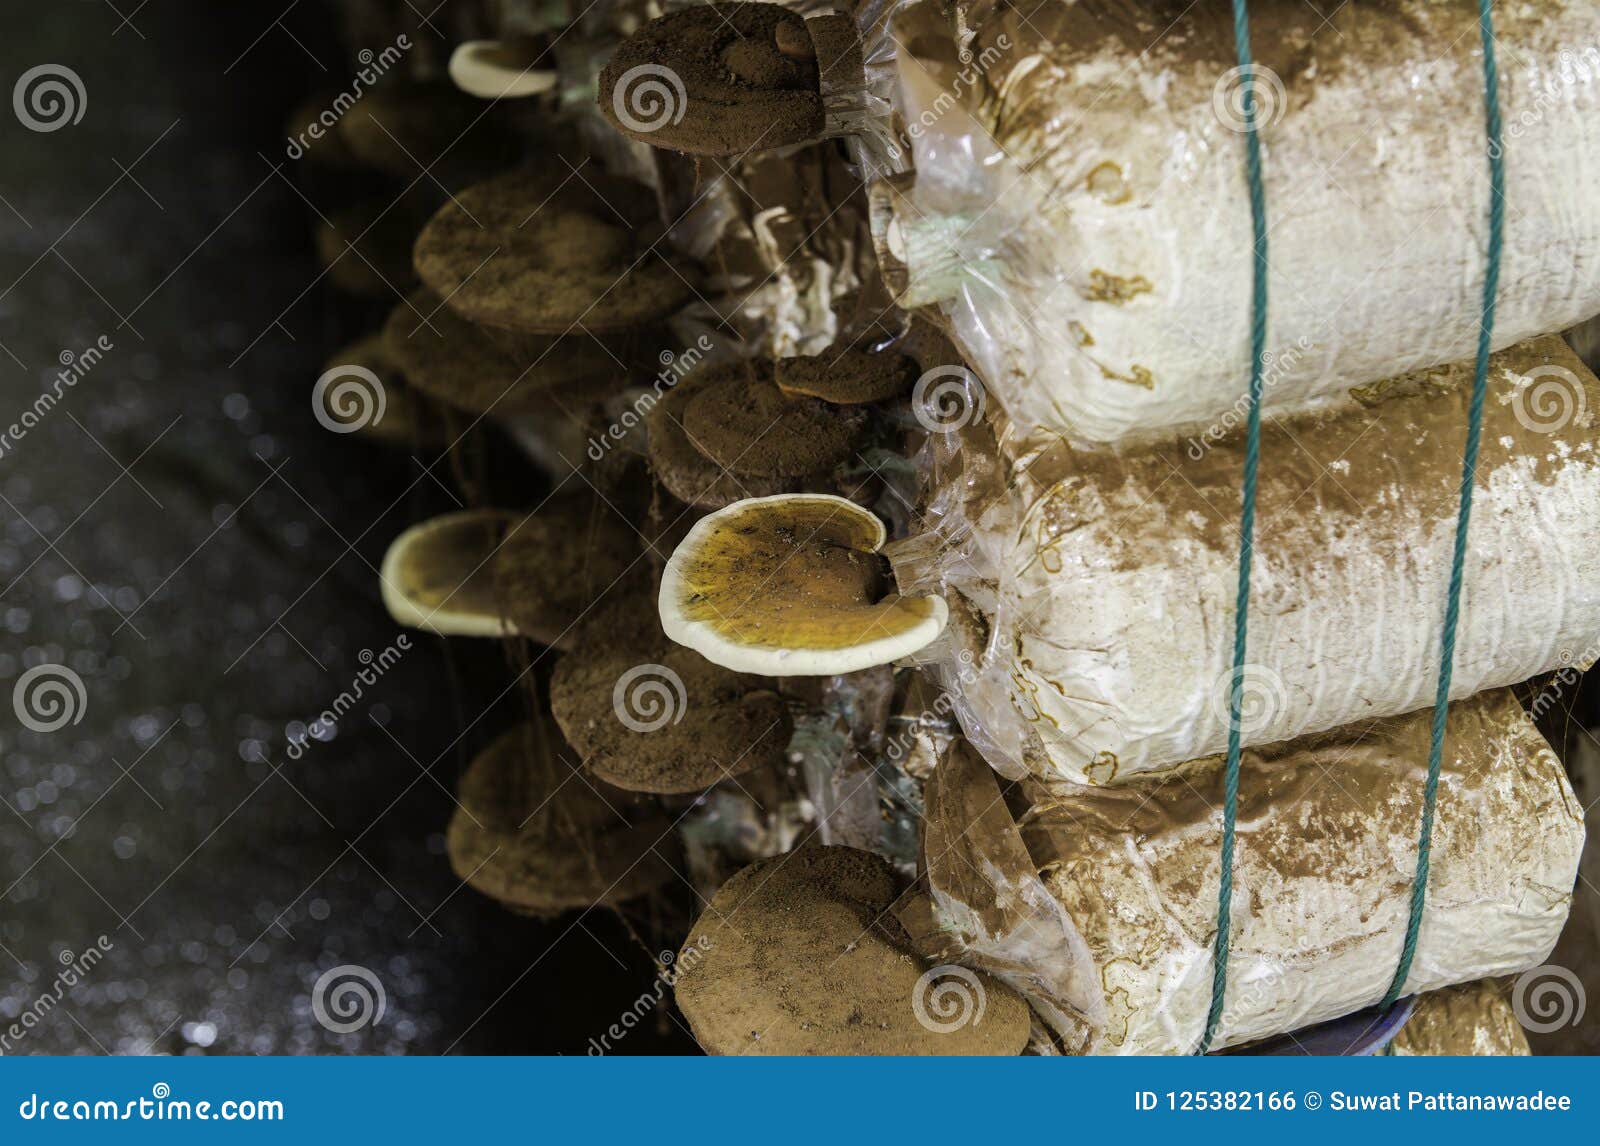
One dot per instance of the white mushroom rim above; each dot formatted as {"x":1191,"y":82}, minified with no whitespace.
{"x":436,"y":575}
{"x":791,"y":585}
{"x":490,"y":69}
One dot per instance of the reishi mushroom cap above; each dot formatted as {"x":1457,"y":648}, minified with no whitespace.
{"x":847,"y":377}
{"x":436,"y":575}
{"x":689,"y":474}
{"x":802,"y":954}
{"x":739,"y":419}
{"x":448,"y":358}
{"x":716,"y":79}
{"x":531,"y":253}
{"x":558,"y":563}
{"x":791,"y":585}
{"x":499,"y":69}
{"x":532,"y":834}
{"x":650,"y":716}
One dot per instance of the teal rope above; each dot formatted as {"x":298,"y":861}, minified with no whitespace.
{"x":1469,"y":466}
{"x":1247,"y":522}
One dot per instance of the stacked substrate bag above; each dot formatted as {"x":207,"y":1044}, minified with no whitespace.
{"x":1088,"y":541}
{"x":1079,"y":212}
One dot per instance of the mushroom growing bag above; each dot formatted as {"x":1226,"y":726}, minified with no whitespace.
{"x":1079,"y":209}
{"x":1100,"y":905}
{"x":1092,"y":589}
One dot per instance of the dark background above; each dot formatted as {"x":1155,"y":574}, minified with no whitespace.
{"x":183,"y":534}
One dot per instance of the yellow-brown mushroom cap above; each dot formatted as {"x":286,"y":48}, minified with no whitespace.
{"x":791,"y":585}
{"x":436,"y":575}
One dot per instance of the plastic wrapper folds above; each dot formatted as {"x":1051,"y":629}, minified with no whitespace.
{"x":1096,"y":586}
{"x":1100,"y":905}
{"x":1079,"y":210}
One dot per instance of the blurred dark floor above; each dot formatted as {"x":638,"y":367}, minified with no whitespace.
{"x":182,"y":534}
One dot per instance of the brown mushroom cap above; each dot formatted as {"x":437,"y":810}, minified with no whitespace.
{"x":689,"y":475}
{"x":534,"y":835}
{"x":445,"y":356}
{"x":741,"y":420}
{"x":531,"y":253}
{"x":557,"y":564}
{"x":651,"y":716}
{"x":847,"y":377}
{"x":720,"y":79}
{"x":802,"y":955}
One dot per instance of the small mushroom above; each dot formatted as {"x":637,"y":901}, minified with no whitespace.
{"x":551,"y":253}
{"x":436,"y":575}
{"x":791,"y":585}
{"x":650,"y":716}
{"x":802,"y":955}
{"x":847,"y":377}
{"x":739,"y":419}
{"x":448,"y":358}
{"x":500,"y":69}
{"x":530,"y":832}
{"x":716,"y":79}
{"x":687,"y":473}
